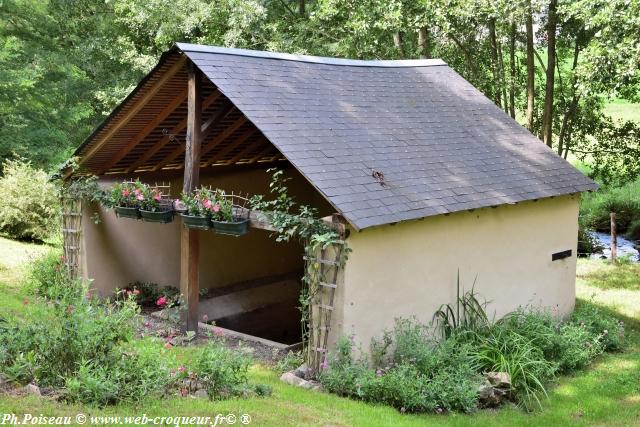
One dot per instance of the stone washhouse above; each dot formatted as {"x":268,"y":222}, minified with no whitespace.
{"x":425,"y":178}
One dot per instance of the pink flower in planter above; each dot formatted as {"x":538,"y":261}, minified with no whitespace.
{"x":162,"y":301}
{"x":140,"y":197}
{"x":216,"y":208}
{"x":157,"y":197}
{"x":126,"y":192}
{"x":206,"y":204}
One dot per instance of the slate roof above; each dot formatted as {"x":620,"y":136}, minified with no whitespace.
{"x":440,"y":145}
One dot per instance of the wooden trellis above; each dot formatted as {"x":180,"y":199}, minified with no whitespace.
{"x":323,"y":270}
{"x":71,"y":234}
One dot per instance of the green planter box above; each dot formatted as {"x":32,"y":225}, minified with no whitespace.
{"x":235,"y":228}
{"x":123,"y":212}
{"x":162,"y":217}
{"x":198,"y":222}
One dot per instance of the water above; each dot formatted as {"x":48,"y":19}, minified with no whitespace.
{"x":625,"y":247}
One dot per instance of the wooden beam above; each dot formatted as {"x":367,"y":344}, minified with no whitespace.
{"x":207,"y":126}
{"x":179,"y":127}
{"x":189,"y":238}
{"x":248,"y":149}
{"x":264,"y":152}
{"x":170,"y":108}
{"x":219,"y":115}
{"x":134,"y":109}
{"x":226,"y":133}
{"x":242,"y":138}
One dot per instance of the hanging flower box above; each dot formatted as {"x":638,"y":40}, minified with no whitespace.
{"x":208,"y":209}
{"x":162,"y":216}
{"x":154,"y":207}
{"x":196,"y":221}
{"x":133,"y":199}
{"x":231,"y":228}
{"x":125,"y":199}
{"x":126,"y":212}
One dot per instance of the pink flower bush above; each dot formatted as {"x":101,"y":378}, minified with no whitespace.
{"x":126,"y":192}
{"x":162,"y":301}
{"x":206,"y":203}
{"x":216,"y":208}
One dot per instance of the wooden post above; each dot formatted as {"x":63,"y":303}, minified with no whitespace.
{"x":614,"y":238}
{"x":189,"y":238}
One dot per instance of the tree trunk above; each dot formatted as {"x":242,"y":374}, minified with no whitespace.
{"x":547,"y":117}
{"x":423,"y":42}
{"x":397,"y":42}
{"x":467,"y":55}
{"x":569,"y":115}
{"x":502,"y":80}
{"x":494,"y":59}
{"x":531,"y":76}
{"x":512,"y":74}
{"x":302,"y":10}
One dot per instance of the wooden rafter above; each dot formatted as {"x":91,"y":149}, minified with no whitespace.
{"x":255,"y":144}
{"x":264,"y":152}
{"x":218,"y":138}
{"x":227,"y":132}
{"x":170,"y":108}
{"x":235,"y":143}
{"x":182,"y":124}
{"x":134,"y":109}
{"x":208,"y":126}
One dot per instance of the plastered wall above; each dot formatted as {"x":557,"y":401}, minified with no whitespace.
{"x":410,"y":269}
{"x":119,"y":251}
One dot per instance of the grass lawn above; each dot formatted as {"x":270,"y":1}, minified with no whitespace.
{"x":623,"y":110}
{"x":608,"y":393}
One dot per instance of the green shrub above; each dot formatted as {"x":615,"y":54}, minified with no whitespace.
{"x":420,"y":375}
{"x":599,"y":323}
{"x":222,"y":371}
{"x":566,"y":345}
{"x":29,"y":208}
{"x":577,"y":347}
{"x":624,"y":201}
{"x":48,"y":278}
{"x":292,"y":360}
{"x":56,"y":339}
{"x":128,"y":375}
{"x":633,"y":232}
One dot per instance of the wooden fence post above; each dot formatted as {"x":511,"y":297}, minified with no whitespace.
{"x":614,"y":238}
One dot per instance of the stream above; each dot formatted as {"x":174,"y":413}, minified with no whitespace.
{"x":625,"y":247}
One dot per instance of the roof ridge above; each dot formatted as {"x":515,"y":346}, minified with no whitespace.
{"x":402,"y":63}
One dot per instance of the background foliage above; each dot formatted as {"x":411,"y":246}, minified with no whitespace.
{"x":65,"y":64}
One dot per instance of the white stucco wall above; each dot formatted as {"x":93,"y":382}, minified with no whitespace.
{"x":410,"y":269}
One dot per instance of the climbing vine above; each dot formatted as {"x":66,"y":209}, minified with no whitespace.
{"x":297,"y":221}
